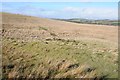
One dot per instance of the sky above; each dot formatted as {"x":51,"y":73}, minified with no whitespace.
{"x":59,"y":0}
{"x":64,"y":10}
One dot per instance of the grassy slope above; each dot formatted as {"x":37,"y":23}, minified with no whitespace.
{"x":54,"y":57}
{"x":33,"y":56}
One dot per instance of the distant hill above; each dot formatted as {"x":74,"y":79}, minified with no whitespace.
{"x":87,"y":21}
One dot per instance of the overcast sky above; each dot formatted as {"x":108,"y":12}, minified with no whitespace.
{"x":87,"y":10}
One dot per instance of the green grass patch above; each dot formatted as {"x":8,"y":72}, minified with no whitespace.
{"x":59,"y":58}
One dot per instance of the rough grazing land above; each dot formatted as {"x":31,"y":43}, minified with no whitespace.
{"x":42,"y":48}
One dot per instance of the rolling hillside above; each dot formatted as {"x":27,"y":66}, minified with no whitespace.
{"x":35,"y":47}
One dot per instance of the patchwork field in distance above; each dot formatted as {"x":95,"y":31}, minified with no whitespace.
{"x":35,"y":47}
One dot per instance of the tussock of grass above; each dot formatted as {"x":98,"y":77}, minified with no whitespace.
{"x":52,"y":34}
{"x":43,"y":28}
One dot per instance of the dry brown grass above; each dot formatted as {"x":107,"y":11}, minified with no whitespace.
{"x":60,"y":28}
